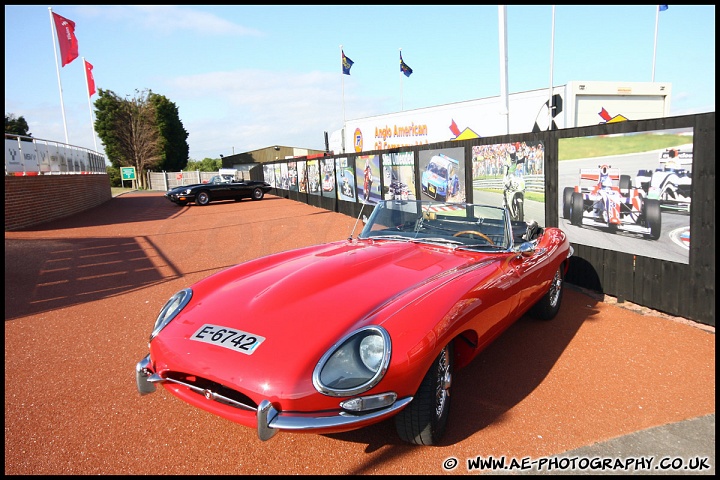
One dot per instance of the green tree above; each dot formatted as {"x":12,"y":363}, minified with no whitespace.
{"x":174,"y":149}
{"x":107,"y":111}
{"x":114,"y":176}
{"x":205,"y":165}
{"x":128,"y":128}
{"x":16,"y":126}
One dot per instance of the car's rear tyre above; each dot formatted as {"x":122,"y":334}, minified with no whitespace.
{"x":652,"y":217}
{"x":567,"y":202}
{"x":258,"y":194}
{"x":202,"y":198}
{"x":576,"y":209}
{"x":424,"y":420}
{"x":549,"y":305}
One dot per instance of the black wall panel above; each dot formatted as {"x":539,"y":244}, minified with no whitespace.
{"x":686,"y":290}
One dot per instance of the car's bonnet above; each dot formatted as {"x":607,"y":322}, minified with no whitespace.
{"x":302,"y":302}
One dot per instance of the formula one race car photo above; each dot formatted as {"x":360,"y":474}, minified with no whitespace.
{"x":607,"y":200}
{"x":671,"y":182}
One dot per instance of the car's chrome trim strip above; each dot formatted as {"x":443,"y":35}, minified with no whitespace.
{"x":270,"y":421}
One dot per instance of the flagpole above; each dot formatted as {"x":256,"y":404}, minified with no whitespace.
{"x":401,"y":85}
{"x":502,"y":29}
{"x":57,"y":67}
{"x":342,"y":77}
{"x":657,"y":18}
{"x":87,"y":86}
{"x":551,"y":107}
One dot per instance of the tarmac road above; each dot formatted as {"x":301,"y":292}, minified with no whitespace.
{"x":601,"y":381}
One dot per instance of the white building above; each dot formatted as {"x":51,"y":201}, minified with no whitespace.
{"x":576,"y":104}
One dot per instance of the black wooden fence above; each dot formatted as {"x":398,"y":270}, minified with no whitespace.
{"x":686,"y":290}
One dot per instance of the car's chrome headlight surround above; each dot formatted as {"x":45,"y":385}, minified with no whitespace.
{"x":172,"y":307}
{"x":355,"y":364}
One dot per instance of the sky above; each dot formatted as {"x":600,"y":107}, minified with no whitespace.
{"x":248,"y":77}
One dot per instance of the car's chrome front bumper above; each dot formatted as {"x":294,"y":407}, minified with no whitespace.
{"x":270,"y":420}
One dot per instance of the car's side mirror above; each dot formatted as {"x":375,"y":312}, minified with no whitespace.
{"x":526,"y":249}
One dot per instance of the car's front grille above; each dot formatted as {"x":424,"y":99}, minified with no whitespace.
{"x":212,"y":390}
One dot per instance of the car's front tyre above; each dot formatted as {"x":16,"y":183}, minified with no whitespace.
{"x":424,"y":420}
{"x":653,"y":217}
{"x":567,"y":202}
{"x":576,"y":210}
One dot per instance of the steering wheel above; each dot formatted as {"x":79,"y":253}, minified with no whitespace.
{"x":474,"y":232}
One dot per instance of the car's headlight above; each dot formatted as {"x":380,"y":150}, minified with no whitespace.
{"x":355,"y":364}
{"x":187,"y":191}
{"x":173,"y":306}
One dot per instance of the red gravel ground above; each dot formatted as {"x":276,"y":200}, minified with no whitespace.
{"x":81,"y":296}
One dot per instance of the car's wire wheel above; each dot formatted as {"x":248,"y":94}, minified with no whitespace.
{"x":442,"y":383}
{"x":549,"y":305}
{"x":258,"y":194}
{"x":555,"y":289}
{"x":202,"y":198}
{"x":424,"y":420}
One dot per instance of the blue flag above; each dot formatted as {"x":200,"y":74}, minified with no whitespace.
{"x":662,"y":8}
{"x":404,"y":68}
{"x":346,"y":63}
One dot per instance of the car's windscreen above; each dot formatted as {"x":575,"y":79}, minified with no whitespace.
{"x":477,"y":227}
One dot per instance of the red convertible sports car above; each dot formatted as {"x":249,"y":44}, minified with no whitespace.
{"x":336,"y":337}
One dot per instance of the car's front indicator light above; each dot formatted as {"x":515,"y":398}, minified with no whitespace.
{"x":371,"y":402}
{"x":355,"y":364}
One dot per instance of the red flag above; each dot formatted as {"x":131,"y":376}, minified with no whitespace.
{"x":66,"y":38}
{"x":454,"y":128}
{"x":90,"y":78}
